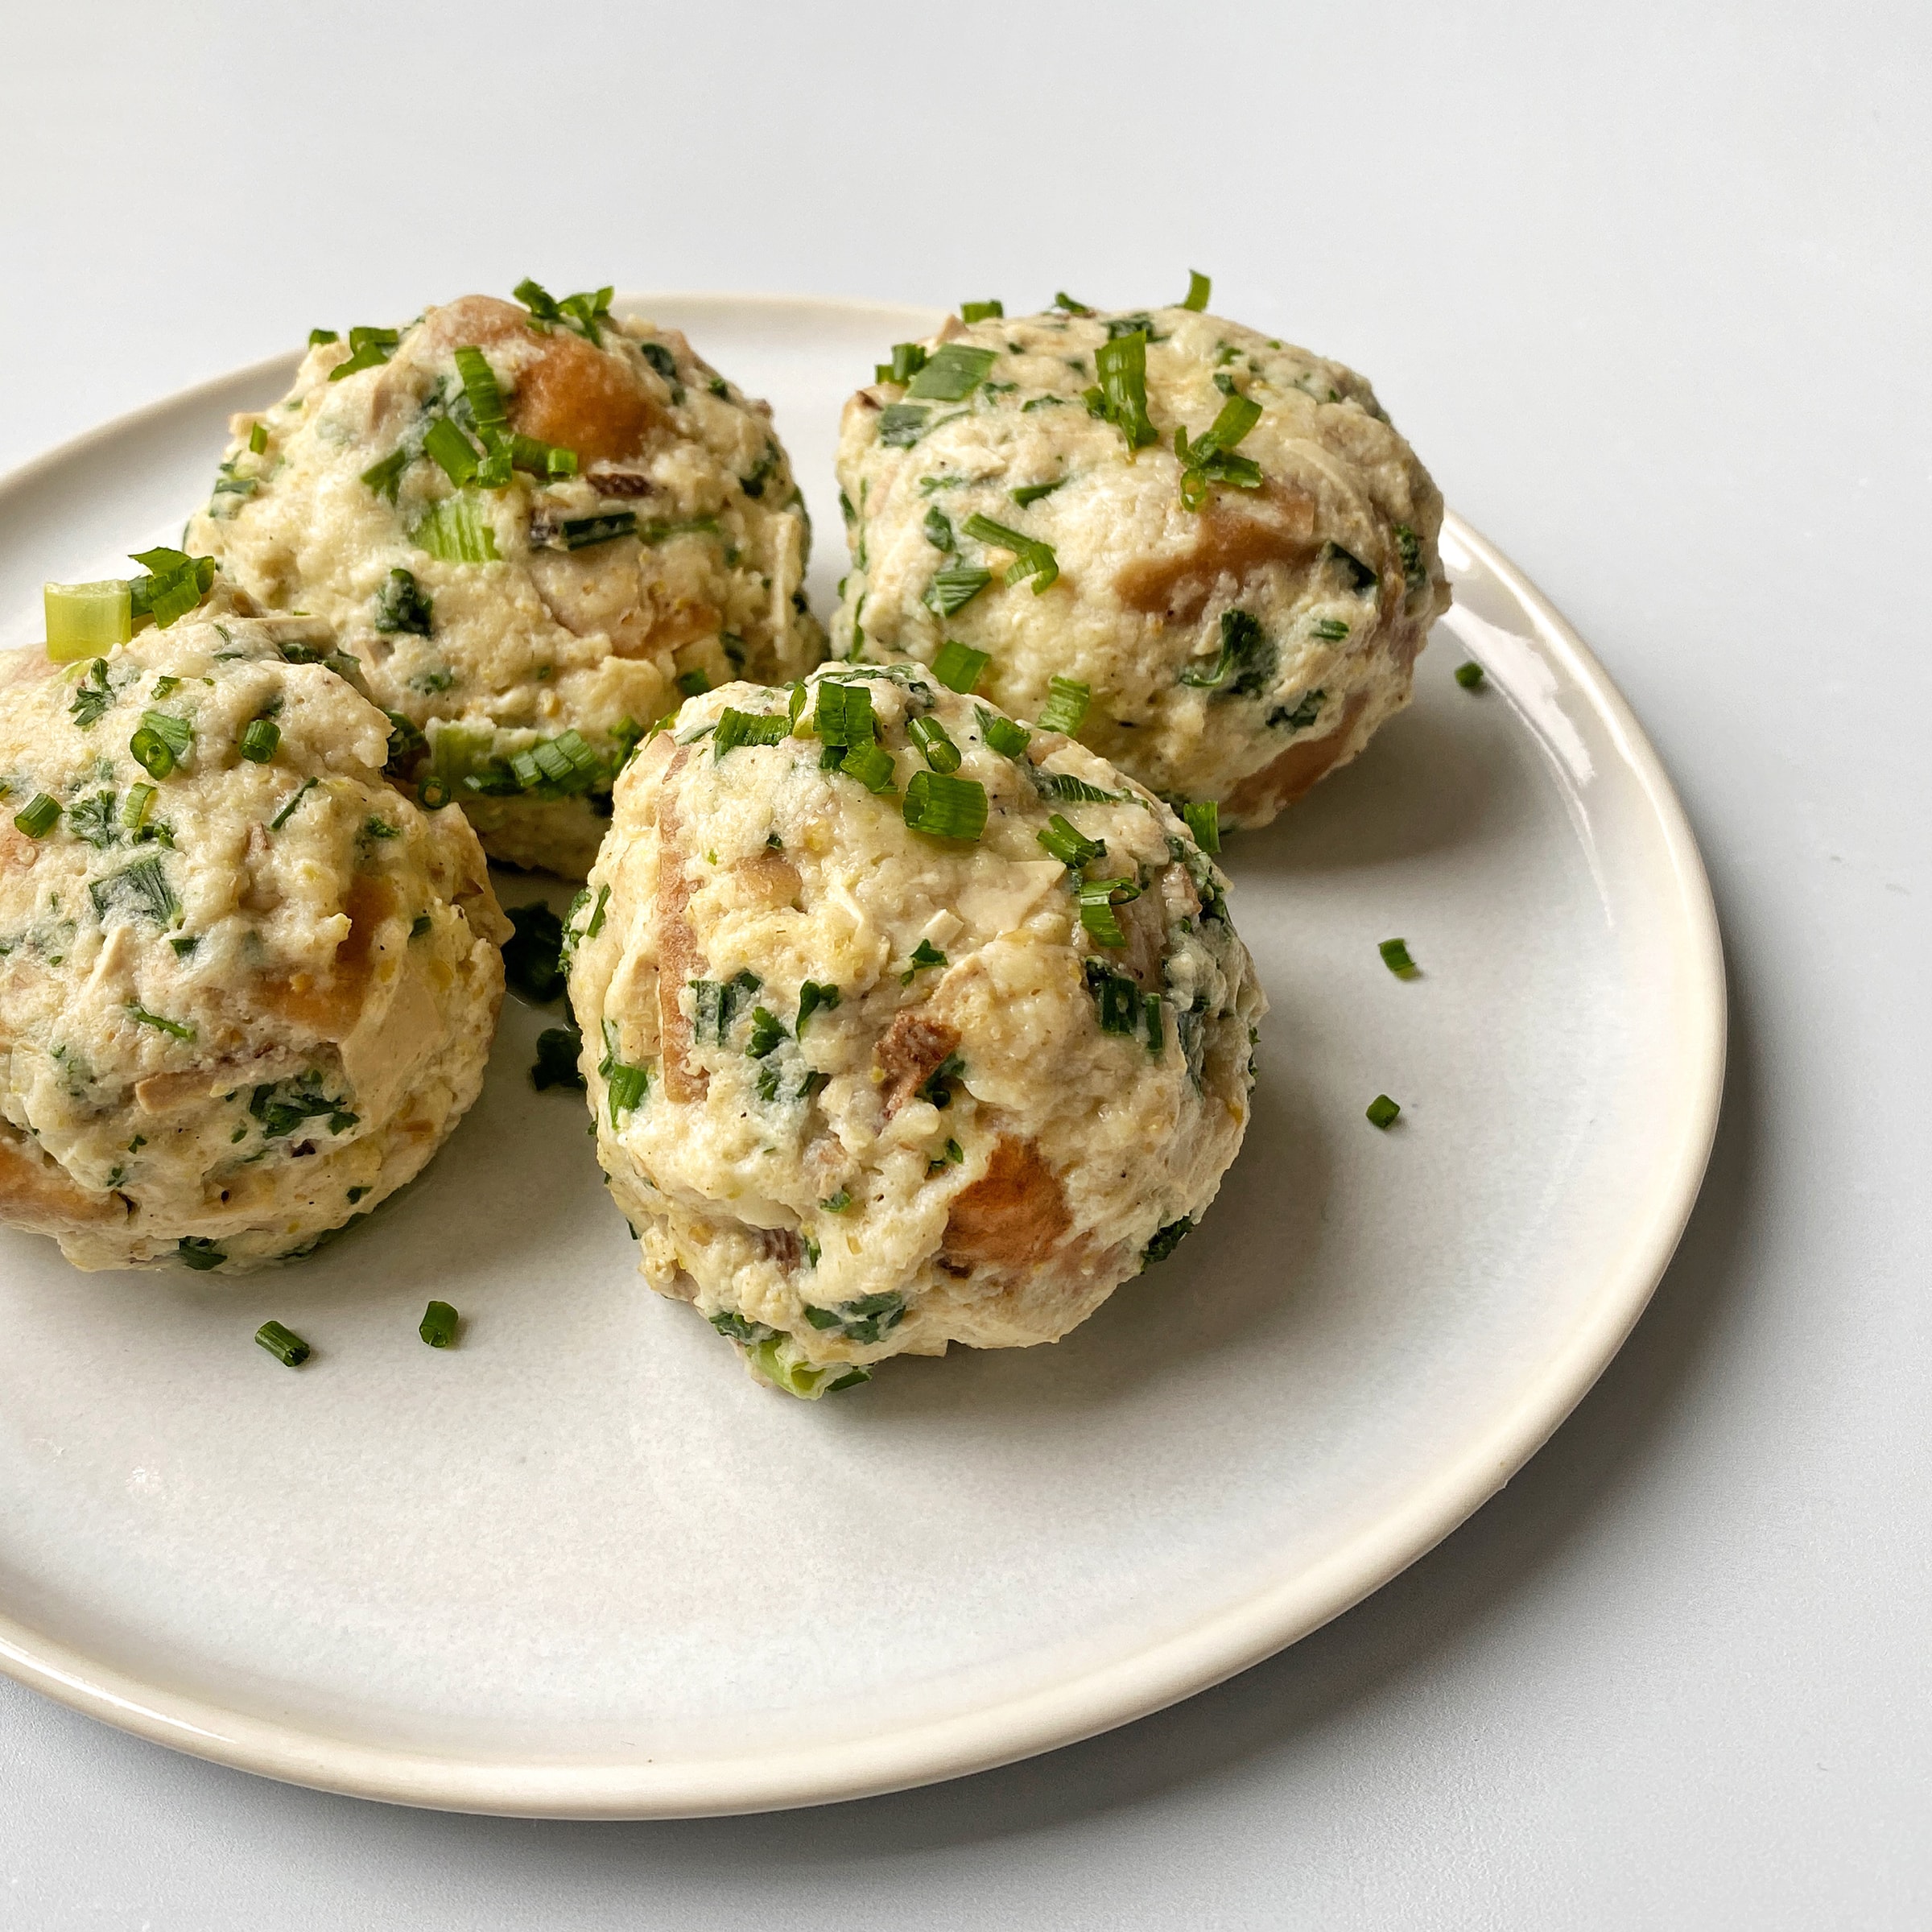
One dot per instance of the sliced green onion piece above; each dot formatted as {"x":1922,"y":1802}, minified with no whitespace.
{"x":626,"y":1084}
{"x":902,"y":424}
{"x":432,"y":794}
{"x":261,"y":738}
{"x":871,"y":764}
{"x":951,"y":373}
{"x":294,"y":799}
{"x":137,"y":805}
{"x":1064,"y":785}
{"x":1203,"y":819}
{"x":767,"y":1034}
{"x":1118,"y":997}
{"x":954,"y":587}
{"x":1469,"y":674}
{"x":1150,"y":1014}
{"x":451,"y":451}
{"x":1330,"y":630}
{"x":38,"y":816}
{"x":86,"y":620}
{"x":258,"y":439}
{"x":1031,"y":558}
{"x":318,"y":337}
{"x":694,"y":683}
{"x":1007,"y":738}
{"x":1098,"y":898}
{"x":737,"y":727}
{"x":403,"y":606}
{"x":930,"y":737}
{"x":174,"y":584}
{"x":580,"y":533}
{"x":1031,"y":493}
{"x":438,"y":1327}
{"x":1121,"y":365}
{"x":385,"y":477}
{"x":908,"y":359}
{"x":813,"y":997}
{"x":1063,"y":300}
{"x":1395,"y":956}
{"x":945,"y":808}
{"x":284,"y":1344}
{"x":1382,"y":1110}
{"x":175,"y":1029}
{"x":959,"y":667}
{"x":1200,"y":288}
{"x":938,"y":527}
{"x":1065,"y":706}
{"x":980,"y":311}
{"x":369,"y":349}
{"x":480,"y":385}
{"x":457,"y":531}
{"x":1069,"y":845}
{"x":844,"y":714}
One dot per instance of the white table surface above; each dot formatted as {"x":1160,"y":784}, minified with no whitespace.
{"x":1649,"y":296}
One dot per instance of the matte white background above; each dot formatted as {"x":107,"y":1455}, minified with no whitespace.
{"x":1648,"y":292}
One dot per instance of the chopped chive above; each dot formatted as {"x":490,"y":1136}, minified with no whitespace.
{"x":318,"y":337}
{"x":195,"y":1252}
{"x":1382,"y":1110}
{"x":257,"y":439}
{"x":141,"y":887}
{"x":871,"y":764}
{"x":557,"y":1063}
{"x":980,"y":311}
{"x":930,"y":737}
{"x":369,"y":349}
{"x":419,"y":925}
{"x":1068,"y":844}
{"x":1031,"y":558}
{"x":451,"y":451}
{"x":286,"y":1347}
{"x":38,"y":816}
{"x":924,"y":955}
{"x":945,"y":808}
{"x":295,"y":797}
{"x":1150,"y":1014}
{"x":950,"y":1155}
{"x":626,"y":1084}
{"x":1116,"y":997}
{"x":844,"y":714}
{"x":1064,"y":785}
{"x":767,"y":1034}
{"x":908,"y":359}
{"x":261,"y":738}
{"x":951,"y":373}
{"x":403,"y":606}
{"x":1244,"y":651}
{"x":737,"y":727}
{"x":161,"y":742}
{"x":1330,"y":630}
{"x":136,"y":805}
{"x":438,"y":1327}
{"x":457,"y":531}
{"x":694,"y":683}
{"x":1121,"y":397}
{"x":432,"y":794}
{"x":836,"y":1204}
{"x":1098,"y":898}
{"x":385,"y":477}
{"x":480,"y":385}
{"x":580,"y":533}
{"x":177,"y":733}
{"x":85,"y":620}
{"x":1007,"y":738}
{"x":175,"y":1029}
{"x":1304,"y":713}
{"x":1395,"y":956}
{"x":1469,"y":674}
{"x":1066,"y":707}
{"x":1409,"y":546}
{"x":1200,"y":287}
{"x":938,"y":527}
{"x":954,"y":587}
{"x":813,"y":997}
{"x":1064,"y":301}
{"x":959,"y":667}
{"x":1203,"y":817}
{"x":1211,"y":458}
{"x":902,"y":424}
{"x":1031,"y":493}
{"x":174,"y":583}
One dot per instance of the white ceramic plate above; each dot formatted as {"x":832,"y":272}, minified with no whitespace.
{"x":581,"y":1565}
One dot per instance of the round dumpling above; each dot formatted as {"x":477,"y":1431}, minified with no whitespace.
{"x":1221,"y":536}
{"x":537,"y":528}
{"x":902,"y":1026}
{"x":247,"y":987}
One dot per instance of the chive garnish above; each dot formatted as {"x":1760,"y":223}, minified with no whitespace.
{"x":1121,"y":397}
{"x":626,"y":1084}
{"x":533,"y":954}
{"x":1203,"y":819}
{"x":959,"y":667}
{"x":261,"y":738}
{"x":954,"y":587}
{"x":257,"y":439}
{"x":1211,"y":458}
{"x":929,"y":737}
{"x":480,"y":385}
{"x":175,"y":1029}
{"x":871,"y":764}
{"x":196,"y":1252}
{"x":38,"y":816}
{"x":318,"y":337}
{"x":1066,"y":842}
{"x":908,"y":359}
{"x":438,"y":1325}
{"x":1007,"y":738}
{"x":369,"y":349}
{"x":174,"y":583}
{"x":1382,"y":1110}
{"x":1330,"y":630}
{"x":580,"y":533}
{"x":737,"y":727}
{"x":294,"y":799}
{"x":902,"y":424}
{"x":844,"y":714}
{"x":945,"y":808}
{"x":419,"y":925}
{"x":1303,"y":715}
{"x":384,"y":478}
{"x":136,"y":805}
{"x":980,"y":311}
{"x":1031,"y":493}
{"x":1062,"y":301}
{"x":1031,"y":558}
{"x":767,"y":1034}
{"x":141,"y":887}
{"x":1165,"y":1241}
{"x":1244,"y":646}
{"x":951,"y":373}
{"x":403,"y":606}
{"x":457,"y":531}
{"x":813,"y":997}
{"x":161,"y":742}
{"x":938,"y":527}
{"x":451,"y":451}
{"x":1469,"y":674}
{"x":1066,"y":707}
{"x":1116,"y":997}
{"x":1064,"y":785}
{"x":1200,"y":288}
{"x":286,"y":1347}
{"x":1098,"y":898}
{"x":1408,"y":547}
{"x":1395,"y":956}
{"x":924,"y":954}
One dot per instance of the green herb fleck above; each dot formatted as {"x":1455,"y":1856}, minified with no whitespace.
{"x":438,"y":1327}
{"x":556,"y":1064}
{"x":284,"y":1344}
{"x":1469,"y":674}
{"x":1382,"y":1112}
{"x":945,"y":808}
{"x":1066,"y":707}
{"x":1395,"y":956}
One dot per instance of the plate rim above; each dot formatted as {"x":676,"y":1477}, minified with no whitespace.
{"x":1216,"y":1646}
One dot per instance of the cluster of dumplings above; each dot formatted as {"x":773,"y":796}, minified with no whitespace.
{"x":910,"y":1007}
